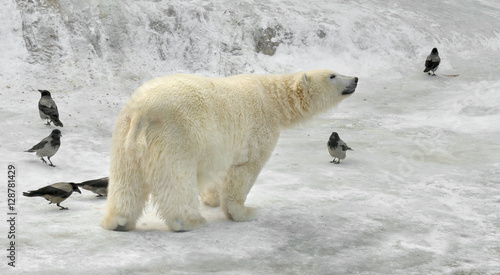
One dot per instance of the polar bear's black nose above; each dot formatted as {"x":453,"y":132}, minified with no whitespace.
{"x":352,"y":86}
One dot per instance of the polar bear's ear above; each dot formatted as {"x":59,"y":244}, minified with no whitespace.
{"x":304,"y":80}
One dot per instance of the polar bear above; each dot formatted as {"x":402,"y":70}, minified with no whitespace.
{"x":183,"y":137}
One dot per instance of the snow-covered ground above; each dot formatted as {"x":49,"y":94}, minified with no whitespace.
{"x":420,"y":193}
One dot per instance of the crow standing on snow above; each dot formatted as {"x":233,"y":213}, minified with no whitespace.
{"x":98,"y":186}
{"x":48,"y":109}
{"x":337,"y":148}
{"x":48,"y":146}
{"x":55,"y":193}
{"x":432,"y":62}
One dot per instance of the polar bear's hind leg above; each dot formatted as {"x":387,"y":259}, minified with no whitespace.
{"x":125,"y":205}
{"x":175,"y":196}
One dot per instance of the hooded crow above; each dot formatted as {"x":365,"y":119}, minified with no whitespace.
{"x":337,"y":148}
{"x":432,"y":62}
{"x":55,"y":193}
{"x":98,"y":186}
{"x":48,"y":109}
{"x":48,"y":146}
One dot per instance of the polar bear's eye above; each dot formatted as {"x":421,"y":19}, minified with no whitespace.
{"x":332,"y":76}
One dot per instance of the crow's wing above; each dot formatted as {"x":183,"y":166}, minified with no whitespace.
{"x":345,"y":147}
{"x":48,"y":107}
{"x":47,"y":190}
{"x":98,"y":183}
{"x":39,"y":146}
{"x":428,"y":62}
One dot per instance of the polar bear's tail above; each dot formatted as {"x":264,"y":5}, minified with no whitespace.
{"x":135,"y":139}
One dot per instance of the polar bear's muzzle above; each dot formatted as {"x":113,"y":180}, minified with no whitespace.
{"x":351,"y":88}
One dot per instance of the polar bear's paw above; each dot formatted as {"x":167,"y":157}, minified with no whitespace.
{"x":210,"y":199}
{"x":117,"y":224}
{"x":240,"y":213}
{"x":182,"y":224}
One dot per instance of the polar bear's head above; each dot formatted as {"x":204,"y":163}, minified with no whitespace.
{"x":323,"y":89}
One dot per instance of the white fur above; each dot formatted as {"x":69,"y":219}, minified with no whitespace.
{"x":181,"y":136}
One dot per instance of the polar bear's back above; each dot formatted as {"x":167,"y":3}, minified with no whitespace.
{"x":211,"y":114}
{"x":193,"y":93}
{"x":200,"y":99}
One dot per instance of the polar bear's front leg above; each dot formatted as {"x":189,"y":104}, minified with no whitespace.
{"x":235,"y":190}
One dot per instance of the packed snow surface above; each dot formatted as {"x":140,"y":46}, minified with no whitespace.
{"x":420,"y":193}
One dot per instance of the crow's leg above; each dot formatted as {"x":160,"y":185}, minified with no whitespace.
{"x":51,"y":162}
{"x":62,"y":207}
